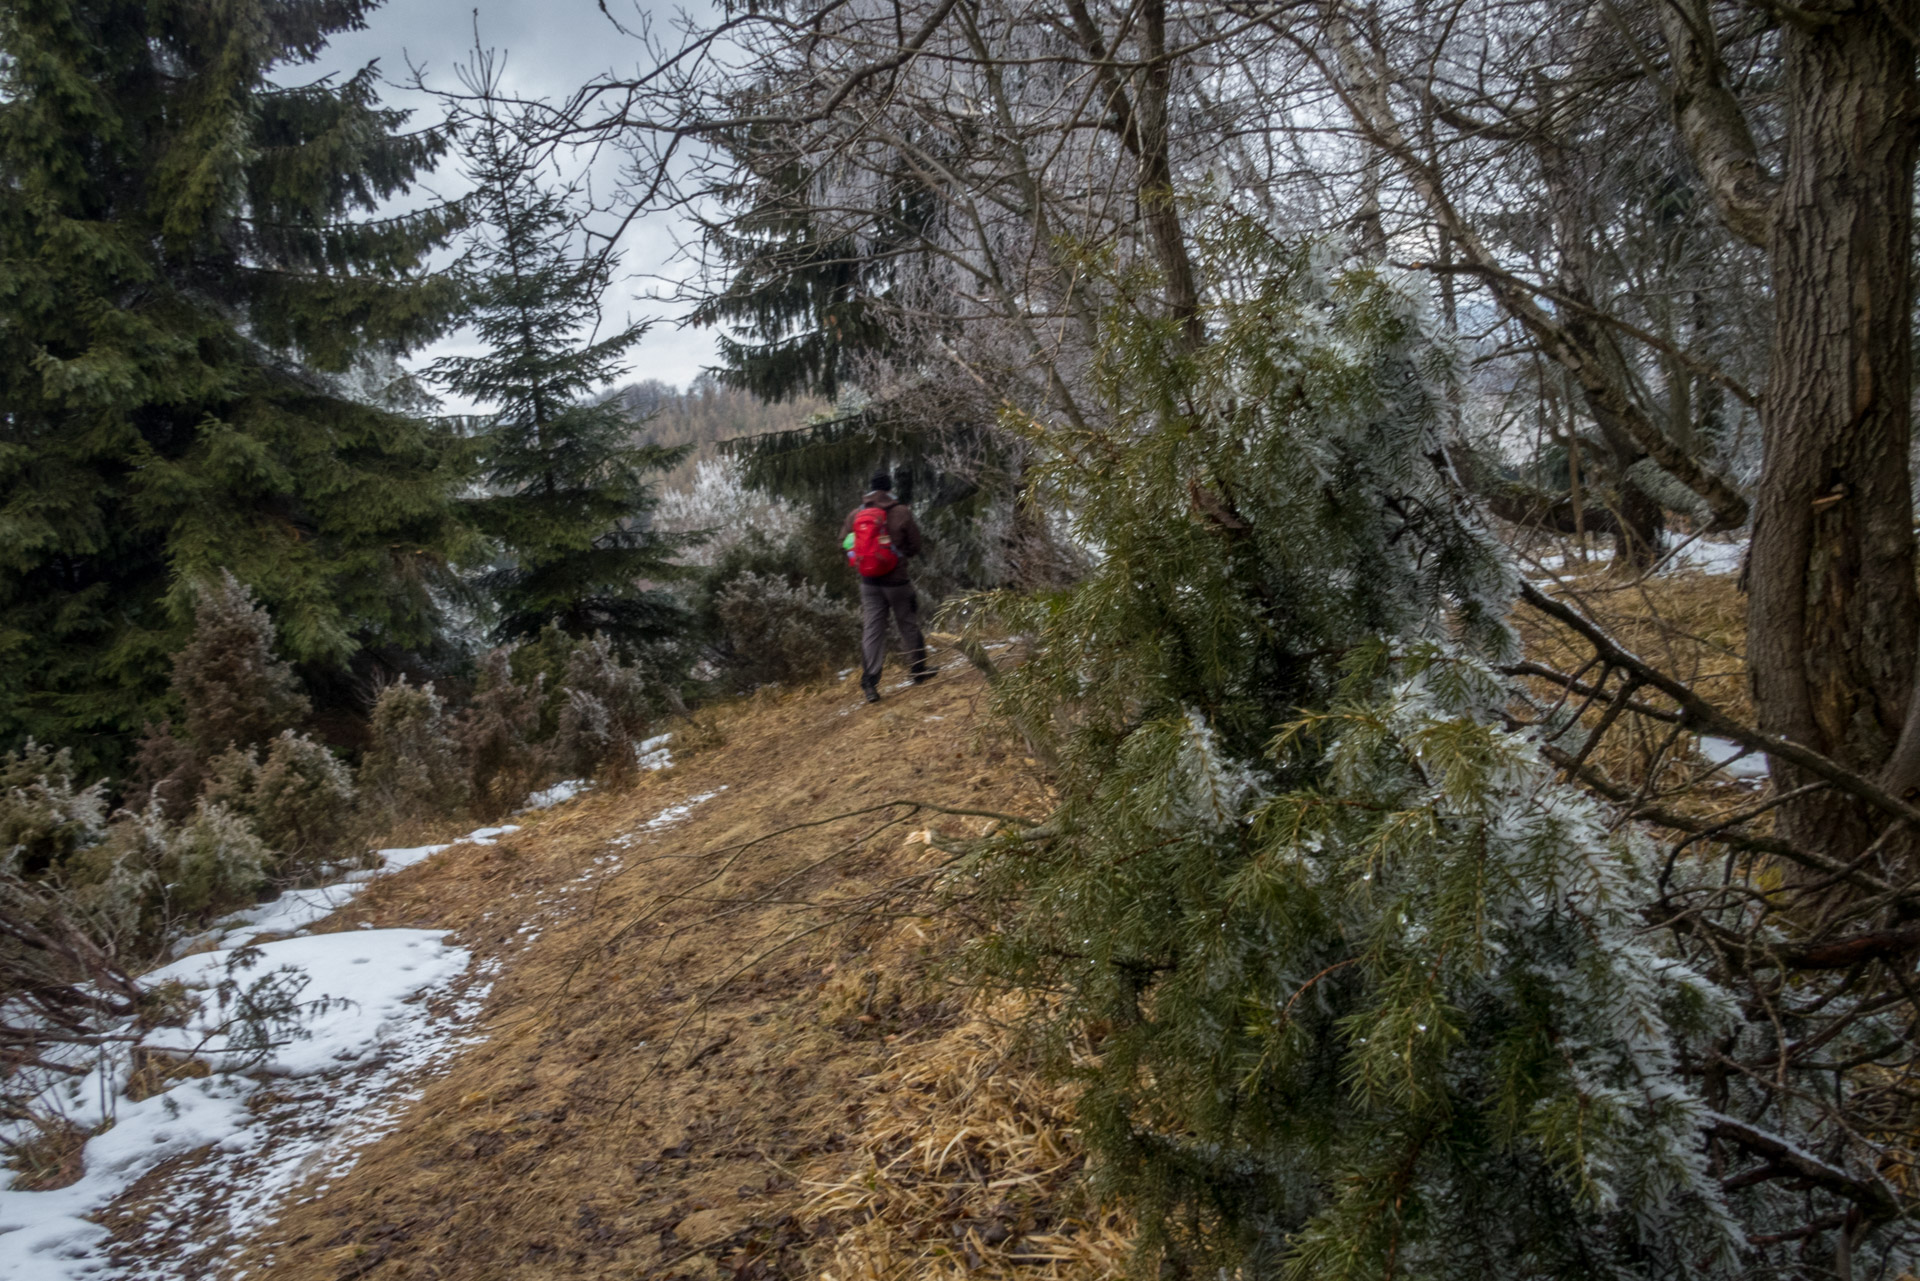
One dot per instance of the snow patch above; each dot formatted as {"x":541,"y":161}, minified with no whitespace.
{"x":668,"y":817}
{"x":558,"y":794}
{"x":293,"y":911}
{"x":650,"y":754}
{"x":565,"y":899}
{"x":366,"y":1028}
{"x":297,"y":910}
{"x":653,"y":754}
{"x":1693,"y":553}
{"x":1713,"y":558}
{"x":357,"y":985}
{"x":377,"y":1008}
{"x":1736,"y":761}
{"x":675,"y":813}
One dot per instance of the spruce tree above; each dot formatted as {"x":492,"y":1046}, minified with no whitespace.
{"x":1355,"y":987}
{"x":567,"y":487}
{"x":189,"y":275}
{"x":802,"y":286}
{"x":809,"y":282}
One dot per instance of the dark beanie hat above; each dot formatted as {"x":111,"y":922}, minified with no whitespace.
{"x":881,"y":480}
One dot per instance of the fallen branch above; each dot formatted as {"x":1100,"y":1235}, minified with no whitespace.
{"x":1706,"y":828}
{"x":1580,"y":687}
{"x":1876,"y":1200}
{"x":1697,"y":713}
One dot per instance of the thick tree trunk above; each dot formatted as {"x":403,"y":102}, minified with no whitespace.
{"x":1140,"y":119}
{"x":1156,"y":188}
{"x":1636,"y":541}
{"x":1834,"y":614}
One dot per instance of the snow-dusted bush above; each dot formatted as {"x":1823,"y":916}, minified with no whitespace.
{"x":411,"y":767}
{"x":610,"y":707}
{"x":167,"y":771}
{"x":115,"y":886}
{"x":718,"y":503}
{"x":212,"y":864}
{"x":496,"y":733}
{"x":773,"y":630}
{"x":52,"y":837}
{"x":1367,"y":987}
{"x":231,"y":688}
{"x":304,"y":799}
{"x":232,"y":692}
{"x":44,"y":816}
{"x":146,"y":879}
{"x":300,"y":800}
{"x":114,"y":889}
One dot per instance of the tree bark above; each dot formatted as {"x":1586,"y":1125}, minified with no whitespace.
{"x":1141,"y":122}
{"x":1834,"y":614}
{"x":1156,"y":177}
{"x":1711,"y":122}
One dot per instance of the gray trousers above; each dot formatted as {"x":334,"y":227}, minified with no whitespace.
{"x":877,"y":600}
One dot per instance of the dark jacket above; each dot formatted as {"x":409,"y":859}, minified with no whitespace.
{"x":900,"y":527}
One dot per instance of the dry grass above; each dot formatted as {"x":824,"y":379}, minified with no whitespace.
{"x":154,"y":1072}
{"x":52,"y":1156}
{"x":1691,"y":626}
{"x":968,"y":1167}
{"x":732,"y":1054}
{"x":729,"y":1053}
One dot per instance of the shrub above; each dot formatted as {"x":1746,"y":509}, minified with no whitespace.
{"x":608,"y":710}
{"x":44,"y":818}
{"x":541,"y":664}
{"x":1367,"y":984}
{"x":213,"y":863}
{"x":166,"y":770}
{"x":114,"y":889}
{"x":229,"y":777}
{"x":229,"y":684}
{"x":232,"y":691}
{"x":411,"y":765}
{"x":496,"y":733}
{"x":67,"y":995}
{"x":304,"y":799}
{"x":148,"y":880}
{"x":300,"y":801}
{"x":773,"y":630}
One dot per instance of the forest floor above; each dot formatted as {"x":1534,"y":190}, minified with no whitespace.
{"x":715,"y":1038}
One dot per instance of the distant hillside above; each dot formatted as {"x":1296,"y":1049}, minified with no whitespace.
{"x":705,"y":414}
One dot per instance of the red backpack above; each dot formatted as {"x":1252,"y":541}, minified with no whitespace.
{"x":872,"y":552}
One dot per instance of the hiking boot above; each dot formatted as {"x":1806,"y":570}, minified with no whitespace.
{"x":871,"y":688}
{"x":921,"y":675}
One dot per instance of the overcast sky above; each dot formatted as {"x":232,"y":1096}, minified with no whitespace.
{"x":551,"y":47}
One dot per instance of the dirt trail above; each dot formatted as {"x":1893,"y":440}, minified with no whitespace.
{"x":676,"y":1041}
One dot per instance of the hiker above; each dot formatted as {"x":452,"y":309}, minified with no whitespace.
{"x":881,"y":537}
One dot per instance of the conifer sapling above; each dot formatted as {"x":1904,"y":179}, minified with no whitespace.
{"x":1354,"y":986}
{"x":566,"y":486}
